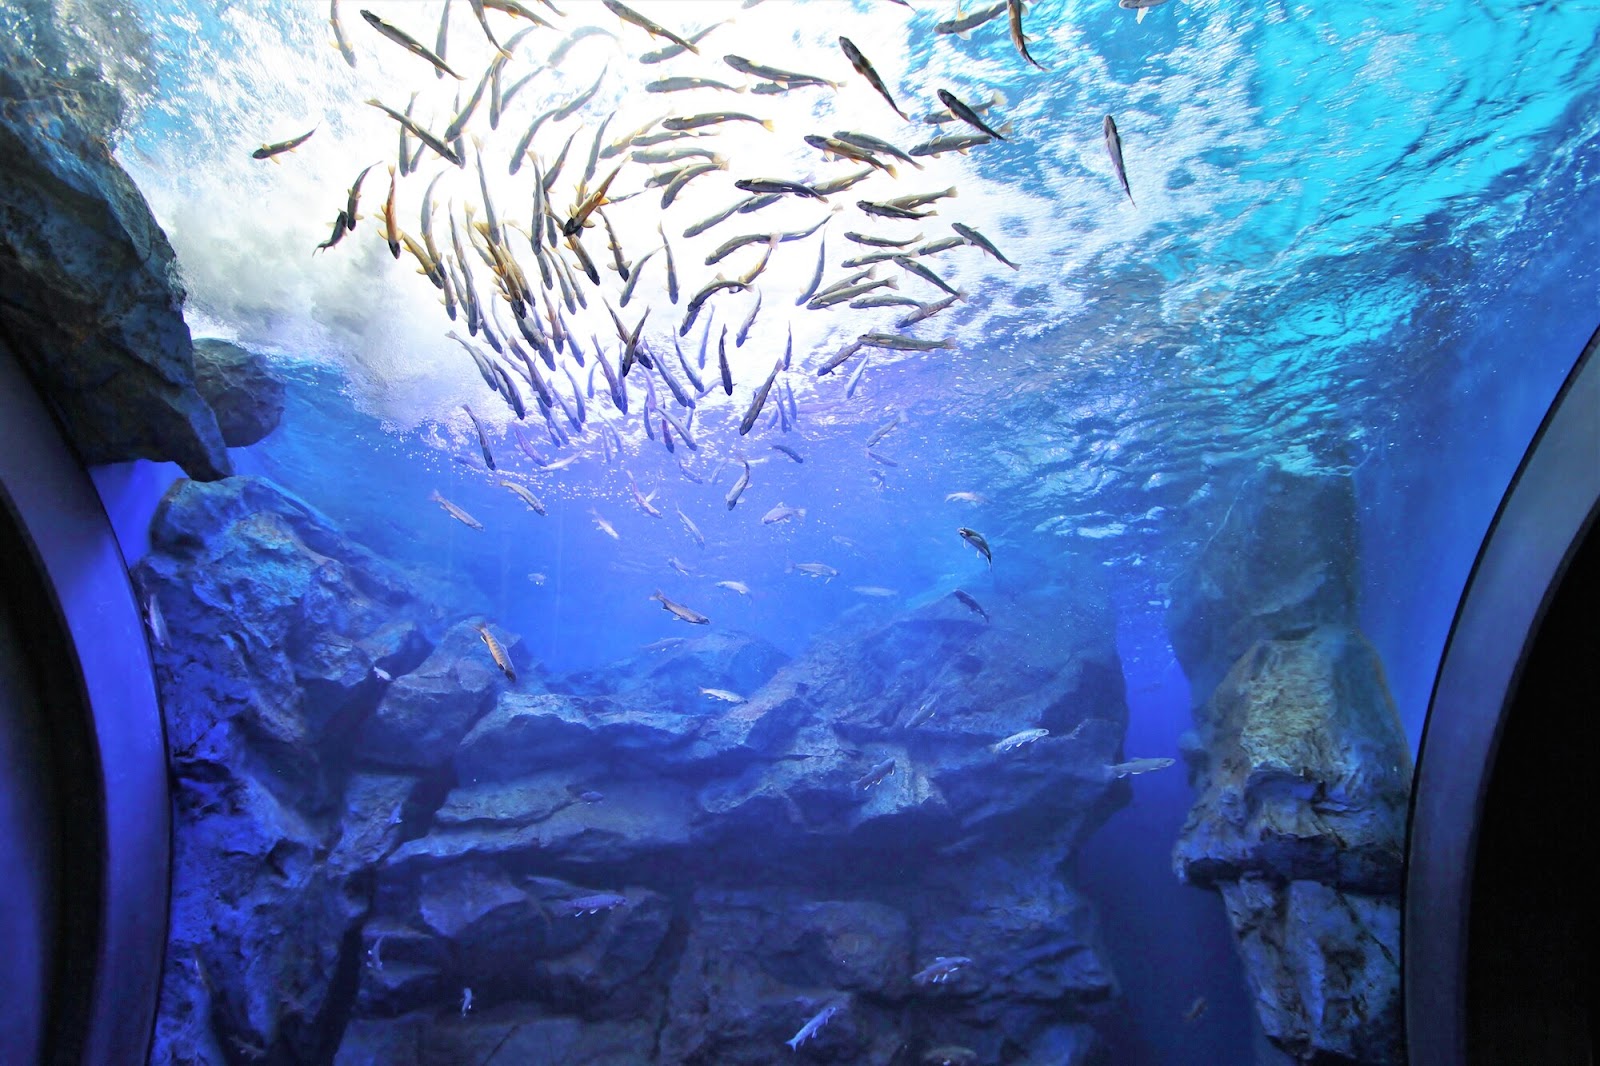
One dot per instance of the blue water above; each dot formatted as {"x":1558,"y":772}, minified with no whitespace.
{"x":1365,"y":242}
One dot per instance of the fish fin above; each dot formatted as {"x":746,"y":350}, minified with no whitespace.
{"x":767,"y":122}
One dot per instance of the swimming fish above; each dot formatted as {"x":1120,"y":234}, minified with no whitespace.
{"x":778,"y":186}
{"x":603,"y":526}
{"x":812,"y":1027}
{"x":340,"y":40}
{"x":739,"y":486}
{"x":409,"y":43}
{"x":466,"y":993}
{"x":787,"y":77}
{"x":940,"y":970}
{"x":864,"y":68}
{"x":1114,"y":149}
{"x":781,"y":513}
{"x":1017,"y":740}
{"x":527,"y":497}
{"x":267,"y":151}
{"x":1196,"y":1009}
{"x":1019,"y":38}
{"x":678,"y":610}
{"x":974,"y":538}
{"x":876,"y":775}
{"x":340,"y":228}
{"x":498,"y":654}
{"x":822,"y":570}
{"x":790,"y":452}
{"x":627,"y":14}
{"x":960,"y":110}
{"x":714,"y":118}
{"x":595,"y":903}
{"x":722,"y":694}
{"x":735,"y":586}
{"x":978,"y":240}
{"x":1139,"y":766}
{"x":455,"y":512}
{"x":155,"y":620}
{"x":970,"y":22}
{"x":758,"y":400}
{"x":971,"y":604}
{"x":421,"y":134}
{"x":875,"y":591}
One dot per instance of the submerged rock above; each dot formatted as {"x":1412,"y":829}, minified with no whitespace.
{"x":93,"y":305}
{"x":1301,"y":770}
{"x":246,"y":397}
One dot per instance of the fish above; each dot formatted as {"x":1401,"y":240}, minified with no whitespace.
{"x":855,"y":377}
{"x":672,"y":270}
{"x":883,"y":459}
{"x":665,"y":644}
{"x":455,"y":512}
{"x":822,"y":570}
{"x":966,"y":497}
{"x":744,"y":329}
{"x":713,"y":118}
{"x":1018,"y":740}
{"x":840,"y":149}
{"x":864,"y":68}
{"x":466,"y":1002}
{"x":698,"y":300}
{"x":978,"y":240}
{"x":634,"y":275}
{"x":677,"y":564}
{"x":781,"y":513}
{"x":627,"y":14}
{"x":940,"y":970}
{"x":735,"y":586}
{"x":790,"y":452}
{"x":409,"y":43}
{"x":353,"y":197}
{"x":779,"y":186}
{"x":720,"y":217}
{"x":483,"y":438}
{"x":880,"y":242}
{"x":570,"y":108}
{"x":671,"y":50}
{"x":603,"y":526}
{"x":439,"y":146}
{"x":267,"y":151}
{"x":758,"y":400}
{"x":340,"y":227}
{"x":642,"y":500}
{"x":967,"y":23}
{"x":971,"y":604}
{"x":816,"y":277}
{"x":339,"y":39}
{"x":155,"y":620}
{"x":910,"y":265}
{"x":739,"y":486}
{"x":876,"y":591}
{"x":787,"y":77}
{"x":965,"y":113}
{"x":722,"y":694}
{"x":571,"y":39}
{"x":812,"y":1027}
{"x":874,"y":144}
{"x":680,"y":84}
{"x":876,"y":775}
{"x":1018,"y":38}
{"x":685,"y":176}
{"x":722,"y":362}
{"x":693,"y":530}
{"x":498,"y":654}
{"x":678,"y":610}
{"x":1196,"y":1009}
{"x":901,"y":343}
{"x":595,"y":903}
{"x":890,"y":211}
{"x":923,"y":713}
{"x":828,"y":188}
{"x":883,"y":431}
{"x":533,"y":502}
{"x":443,"y":36}
{"x":957,"y":142}
{"x":587,"y":207}
{"x":1139,"y":766}
{"x":674,"y":155}
{"x":974,"y":538}
{"x":1114,"y":150}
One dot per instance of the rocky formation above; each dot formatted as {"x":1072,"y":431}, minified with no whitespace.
{"x":92,"y":303}
{"x":246,"y":396}
{"x":1301,"y":767}
{"x":390,"y":852}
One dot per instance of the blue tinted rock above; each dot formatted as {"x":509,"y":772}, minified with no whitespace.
{"x":241,"y":389}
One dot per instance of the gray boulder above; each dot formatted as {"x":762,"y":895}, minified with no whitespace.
{"x":93,"y":307}
{"x":245,"y":395}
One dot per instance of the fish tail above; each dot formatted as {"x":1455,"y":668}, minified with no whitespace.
{"x":767,"y":122}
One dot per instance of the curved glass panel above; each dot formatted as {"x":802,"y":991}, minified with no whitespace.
{"x":910,"y":532}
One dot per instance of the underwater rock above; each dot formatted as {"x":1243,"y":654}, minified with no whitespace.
{"x":274,"y":624}
{"x":1309,"y":775}
{"x":1300,"y":823}
{"x":732,"y":661}
{"x":1323,"y":965}
{"x":424,"y":714}
{"x":509,"y":1033}
{"x":245,"y":395}
{"x":94,"y":306}
{"x":1283,"y":558}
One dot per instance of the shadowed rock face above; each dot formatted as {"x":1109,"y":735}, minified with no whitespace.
{"x":92,"y":304}
{"x":1301,"y":768}
{"x":246,"y":396}
{"x":373,"y":820}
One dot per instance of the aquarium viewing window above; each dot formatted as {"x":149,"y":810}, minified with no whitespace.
{"x":855,"y":531}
